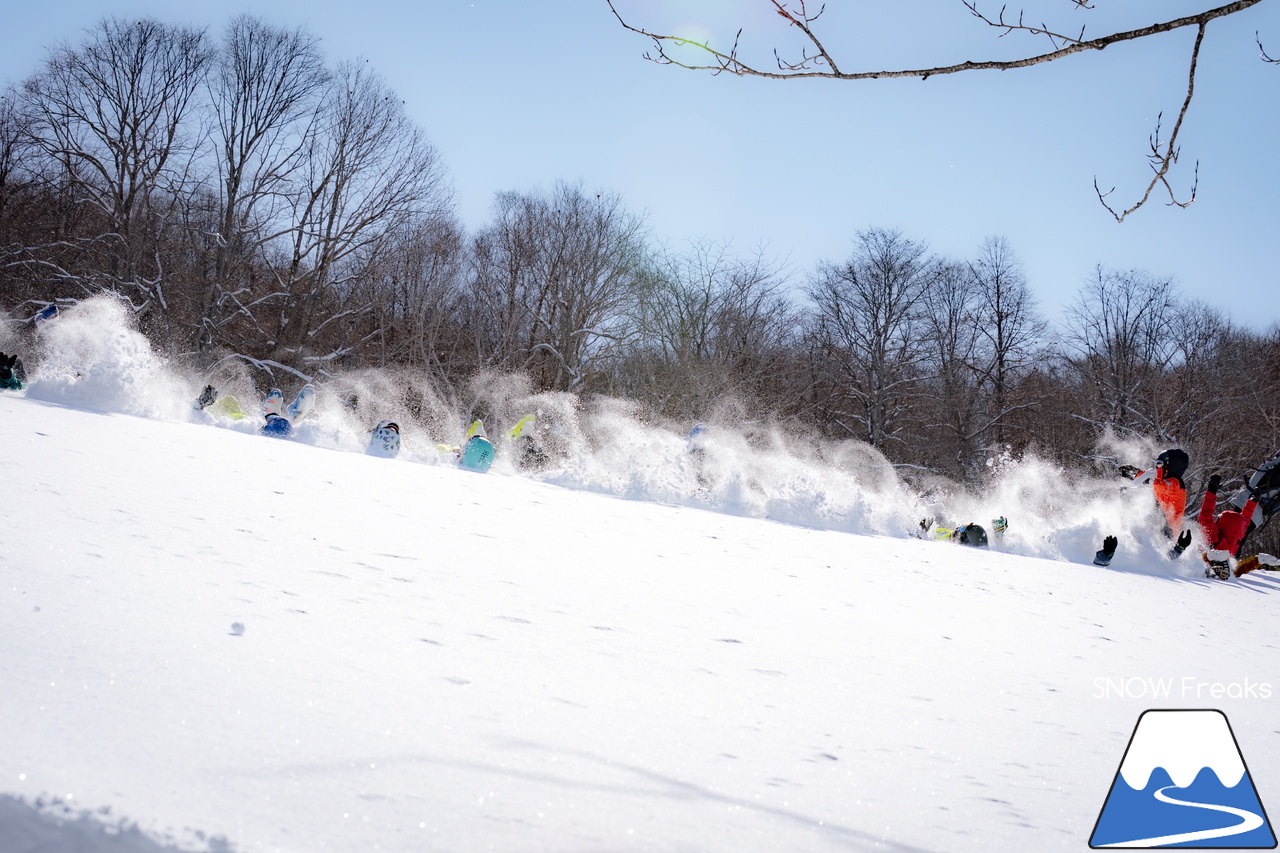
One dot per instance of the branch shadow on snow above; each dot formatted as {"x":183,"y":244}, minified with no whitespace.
{"x":646,"y":784}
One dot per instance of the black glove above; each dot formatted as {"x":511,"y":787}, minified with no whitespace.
{"x":1103,"y":557}
{"x":11,"y":367}
{"x":1130,"y":471}
{"x":1184,"y":542}
{"x":1214,"y":482}
{"x":206,"y":398}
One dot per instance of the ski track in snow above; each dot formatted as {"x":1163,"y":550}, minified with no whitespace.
{"x":433,"y":659}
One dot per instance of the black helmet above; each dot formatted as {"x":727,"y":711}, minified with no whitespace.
{"x":973,"y":535}
{"x":1174,"y":461}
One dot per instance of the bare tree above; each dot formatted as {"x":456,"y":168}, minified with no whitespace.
{"x":111,"y":111}
{"x":1201,"y":396}
{"x":983,"y":334}
{"x":22,"y":207}
{"x":815,"y":60}
{"x":866,"y":334}
{"x":1008,"y":326}
{"x":710,"y":324}
{"x":264,"y":91}
{"x":1121,"y":336}
{"x":554,"y":283}
{"x":15,"y":141}
{"x":955,"y":407}
{"x":367,"y":170}
{"x":415,"y":287}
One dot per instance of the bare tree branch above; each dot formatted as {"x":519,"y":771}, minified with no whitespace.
{"x":1263,"y":50}
{"x":817,"y":61}
{"x":808,"y":66}
{"x":1162,"y":158}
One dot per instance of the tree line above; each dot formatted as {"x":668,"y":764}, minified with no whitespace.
{"x":258,"y":204}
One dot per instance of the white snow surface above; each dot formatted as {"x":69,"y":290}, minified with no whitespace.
{"x":1183,"y":743}
{"x":212,"y":640}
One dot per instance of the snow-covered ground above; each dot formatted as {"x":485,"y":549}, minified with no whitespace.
{"x":212,"y":640}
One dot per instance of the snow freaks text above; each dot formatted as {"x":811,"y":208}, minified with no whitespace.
{"x":1186,"y":687}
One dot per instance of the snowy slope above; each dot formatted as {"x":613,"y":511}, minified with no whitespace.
{"x":436,"y":660}
{"x":214,"y":640}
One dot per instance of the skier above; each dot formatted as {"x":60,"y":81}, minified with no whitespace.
{"x":529,"y":455}
{"x":385,"y":441}
{"x":1222,"y":533}
{"x":477,"y":451}
{"x":224,"y":406}
{"x":277,"y":424}
{"x":13,"y":376}
{"x":1164,"y":474}
{"x":971,"y":534}
{"x":1265,"y":485}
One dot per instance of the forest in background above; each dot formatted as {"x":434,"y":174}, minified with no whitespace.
{"x":267,"y":212}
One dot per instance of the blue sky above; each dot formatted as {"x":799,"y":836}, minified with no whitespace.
{"x":519,"y":94}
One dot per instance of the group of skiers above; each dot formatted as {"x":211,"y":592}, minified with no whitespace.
{"x":1223,"y":528}
{"x":1222,"y":532}
{"x":476,"y":453}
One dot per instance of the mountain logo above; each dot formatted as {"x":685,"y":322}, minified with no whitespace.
{"x":1183,"y":783}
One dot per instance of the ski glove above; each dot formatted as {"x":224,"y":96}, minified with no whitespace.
{"x":1214,"y":482}
{"x":1103,"y":557}
{"x":1184,"y":540}
{"x":207,"y":396}
{"x":12,"y":374}
{"x":1130,"y":472}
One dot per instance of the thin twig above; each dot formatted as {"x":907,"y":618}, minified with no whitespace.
{"x":1162,"y":161}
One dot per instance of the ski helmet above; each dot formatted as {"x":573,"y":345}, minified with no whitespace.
{"x":1174,"y":461}
{"x":973,"y":535}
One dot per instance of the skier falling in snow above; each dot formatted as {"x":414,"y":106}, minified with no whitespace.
{"x":385,"y":441}
{"x":13,"y":377}
{"x":477,"y":451}
{"x":971,"y":534}
{"x":1261,"y":493}
{"x":279,"y":418}
{"x":1223,"y":533}
{"x":1164,"y":475}
{"x":529,"y":454}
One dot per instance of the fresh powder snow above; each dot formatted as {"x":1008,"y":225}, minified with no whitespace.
{"x":212,"y":640}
